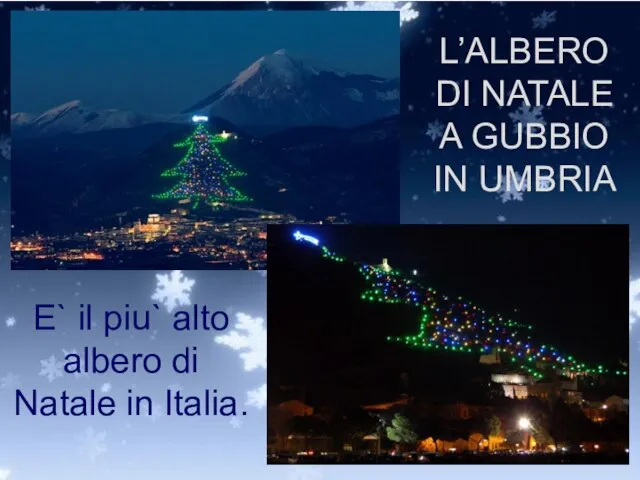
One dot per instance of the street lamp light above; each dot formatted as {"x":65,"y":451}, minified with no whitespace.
{"x":524,"y":423}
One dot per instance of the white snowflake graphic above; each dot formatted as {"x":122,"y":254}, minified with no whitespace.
{"x":235,"y":422}
{"x":105,"y":388}
{"x":257,"y":397}
{"x":509,"y":191}
{"x":545,"y":19}
{"x":526,"y":114}
{"x":415,"y":197}
{"x":10,"y":380}
{"x":51,"y":368}
{"x":501,"y":218}
{"x":406,"y":9}
{"x":173,"y":290}
{"x":263,"y":273}
{"x":304,"y":472}
{"x":544,"y":183}
{"x":5,"y":148}
{"x":5,"y":473}
{"x":39,"y":8}
{"x":435,"y":130}
{"x":10,"y":322}
{"x":92,"y":443}
{"x":249,"y":337}
{"x":634,"y":301}
{"x":155,"y":413}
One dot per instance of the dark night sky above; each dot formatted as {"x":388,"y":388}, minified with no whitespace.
{"x":161,"y":62}
{"x":569,"y":282}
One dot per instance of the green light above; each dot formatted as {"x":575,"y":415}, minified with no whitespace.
{"x":459,"y":325}
{"x":204,"y":173}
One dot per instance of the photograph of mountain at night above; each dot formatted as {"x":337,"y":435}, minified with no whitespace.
{"x":169,"y":140}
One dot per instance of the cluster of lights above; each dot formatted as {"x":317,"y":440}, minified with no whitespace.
{"x":204,"y":172}
{"x":326,"y":253}
{"x":460,"y":326}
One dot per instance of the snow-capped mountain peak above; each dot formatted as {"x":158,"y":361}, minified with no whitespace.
{"x":72,"y":108}
{"x":276,"y":67}
{"x":21,"y":118}
{"x":76,"y":117}
{"x":279,"y":90}
{"x":276,"y":91}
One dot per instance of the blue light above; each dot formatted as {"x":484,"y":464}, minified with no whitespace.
{"x":307,"y":238}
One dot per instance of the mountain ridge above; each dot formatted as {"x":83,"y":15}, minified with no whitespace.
{"x":275,"y":92}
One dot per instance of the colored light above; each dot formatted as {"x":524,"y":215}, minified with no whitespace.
{"x":204,"y":173}
{"x":307,"y":238}
{"x":458,"y":325}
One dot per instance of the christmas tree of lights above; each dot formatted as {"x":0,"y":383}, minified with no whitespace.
{"x":204,"y":173}
{"x":457,"y":325}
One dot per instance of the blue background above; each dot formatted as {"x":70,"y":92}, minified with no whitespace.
{"x":169,"y":448}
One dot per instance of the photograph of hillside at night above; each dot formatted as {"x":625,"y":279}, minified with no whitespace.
{"x":448,"y":344}
{"x":169,"y":140}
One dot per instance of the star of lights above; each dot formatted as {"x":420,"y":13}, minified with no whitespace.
{"x":203,"y":171}
{"x":458,"y":325}
{"x":406,"y":9}
{"x":307,"y":238}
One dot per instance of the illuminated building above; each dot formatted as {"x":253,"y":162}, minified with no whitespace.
{"x":515,"y":385}
{"x":385,"y":265}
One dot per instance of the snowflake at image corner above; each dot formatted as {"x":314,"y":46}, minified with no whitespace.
{"x":5,"y":473}
{"x":173,"y":290}
{"x":249,"y":338}
{"x":406,"y":9}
